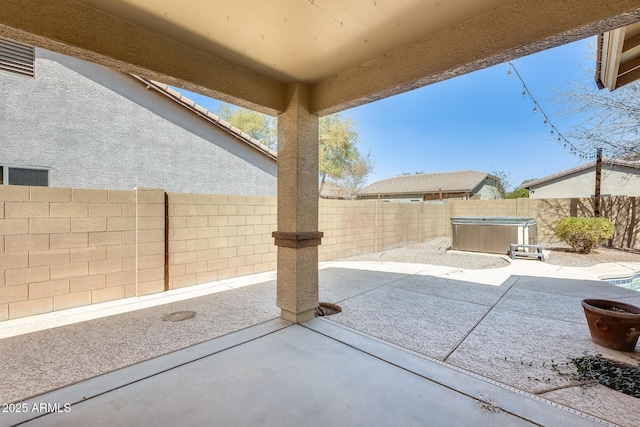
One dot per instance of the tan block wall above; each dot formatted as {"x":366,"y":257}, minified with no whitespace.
{"x":621,"y":210}
{"x":149,"y":249}
{"x":348,"y":227}
{"x":62,"y":248}
{"x":355,"y":227}
{"x":215,"y":237}
{"x":483,"y":208}
{"x":435,"y":221}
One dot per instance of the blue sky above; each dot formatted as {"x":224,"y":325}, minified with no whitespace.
{"x":479,"y":121}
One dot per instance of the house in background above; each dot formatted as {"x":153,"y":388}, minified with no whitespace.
{"x":618,"y":178}
{"x":433,"y":186}
{"x":65,"y":122}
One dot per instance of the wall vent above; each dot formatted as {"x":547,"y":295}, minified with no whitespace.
{"x":17,"y":58}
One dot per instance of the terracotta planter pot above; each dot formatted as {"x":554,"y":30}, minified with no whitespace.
{"x":619,"y":331}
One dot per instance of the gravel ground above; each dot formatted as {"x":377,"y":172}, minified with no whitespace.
{"x":560,"y":254}
{"x":435,"y":252}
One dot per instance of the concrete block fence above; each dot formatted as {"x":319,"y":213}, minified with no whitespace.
{"x":62,"y":248}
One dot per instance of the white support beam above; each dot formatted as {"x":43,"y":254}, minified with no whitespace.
{"x":612,"y":51}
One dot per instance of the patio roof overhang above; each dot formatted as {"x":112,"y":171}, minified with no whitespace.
{"x":618,"y":57}
{"x":300,"y":59}
{"x":350,"y":53}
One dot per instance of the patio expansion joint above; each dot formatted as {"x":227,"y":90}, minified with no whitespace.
{"x":579,"y":322}
{"x":444,"y":364}
{"x":443,"y":297}
{"x":373,"y":289}
{"x":151,"y":368}
{"x":491,"y":308}
{"x":568,"y":295}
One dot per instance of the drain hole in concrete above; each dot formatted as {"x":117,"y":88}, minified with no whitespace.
{"x":178,"y":316}
{"x":327,"y":309}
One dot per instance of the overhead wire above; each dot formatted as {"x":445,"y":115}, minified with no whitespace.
{"x":555,"y":132}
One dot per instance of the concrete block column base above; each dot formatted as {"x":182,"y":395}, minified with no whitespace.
{"x":297,"y":317}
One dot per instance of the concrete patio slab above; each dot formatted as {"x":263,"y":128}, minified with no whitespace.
{"x":598,"y":399}
{"x":379,"y":275}
{"x":332,"y":288}
{"x":388,"y":267}
{"x":547,"y":305}
{"x":332,"y":284}
{"x":629,"y":300}
{"x":506,"y":397}
{"x":53,"y":358}
{"x":104,"y":383}
{"x":427,"y":324}
{"x":522,"y":356}
{"x":454,"y":289}
{"x":296,"y":376}
{"x":480,"y":317}
{"x":573,"y":287}
{"x":266,"y":290}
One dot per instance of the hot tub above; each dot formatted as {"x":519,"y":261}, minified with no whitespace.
{"x":492,"y":234}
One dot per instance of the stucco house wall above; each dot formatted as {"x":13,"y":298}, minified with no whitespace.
{"x":93,"y":127}
{"x":615,"y":181}
{"x":486,"y":191}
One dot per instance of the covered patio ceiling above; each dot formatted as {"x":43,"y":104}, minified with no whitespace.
{"x":349,"y":52}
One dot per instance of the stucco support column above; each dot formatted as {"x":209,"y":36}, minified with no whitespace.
{"x":297,"y":236}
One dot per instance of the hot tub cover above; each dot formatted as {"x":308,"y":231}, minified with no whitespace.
{"x":517,"y":221}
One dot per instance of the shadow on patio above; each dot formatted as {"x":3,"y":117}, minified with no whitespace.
{"x":414,"y":345}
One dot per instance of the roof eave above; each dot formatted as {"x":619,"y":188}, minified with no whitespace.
{"x":208,"y":116}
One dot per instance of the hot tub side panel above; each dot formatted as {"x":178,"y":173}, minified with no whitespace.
{"x":483,"y":238}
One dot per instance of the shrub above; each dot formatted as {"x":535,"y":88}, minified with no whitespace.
{"x":583,"y":234}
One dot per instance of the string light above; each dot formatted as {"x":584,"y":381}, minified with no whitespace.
{"x":561,"y":138}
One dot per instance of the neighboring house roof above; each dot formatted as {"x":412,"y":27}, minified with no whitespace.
{"x":447,"y":182}
{"x":212,"y":118}
{"x":586,"y":166}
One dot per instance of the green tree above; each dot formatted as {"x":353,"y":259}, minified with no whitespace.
{"x":340,"y":161}
{"x":500,"y":181}
{"x":519,"y":192}
{"x":338,"y":148}
{"x":257,"y":125}
{"x":355,"y":176}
